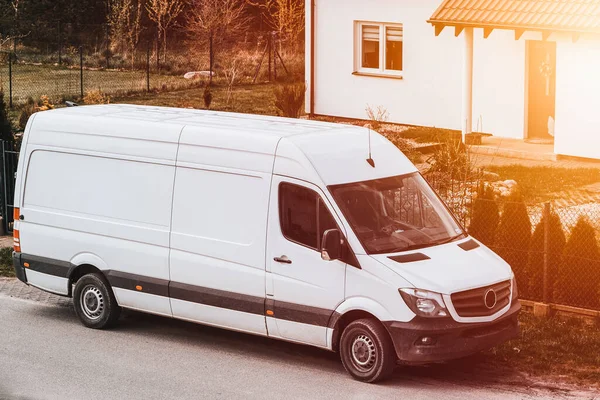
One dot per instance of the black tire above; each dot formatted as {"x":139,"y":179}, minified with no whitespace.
{"x":366,"y":351}
{"x":95,"y":302}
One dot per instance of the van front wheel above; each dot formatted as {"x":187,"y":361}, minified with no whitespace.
{"x":95,"y":303}
{"x":366,"y":351}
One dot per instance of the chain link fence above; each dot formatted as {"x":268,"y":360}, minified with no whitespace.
{"x":68,"y":67}
{"x":553,"y":247}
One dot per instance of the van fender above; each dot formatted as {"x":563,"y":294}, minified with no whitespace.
{"x":87,"y":259}
{"x":364,"y":304}
{"x":353,"y":304}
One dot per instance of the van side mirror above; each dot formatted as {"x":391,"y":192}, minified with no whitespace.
{"x":331,"y":245}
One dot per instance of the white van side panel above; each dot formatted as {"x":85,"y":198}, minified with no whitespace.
{"x":218,"y":235}
{"x":218,"y":316}
{"x":142,"y":301}
{"x":53,"y":284}
{"x":221,"y":215}
{"x":113,"y":213}
{"x":100,"y":188}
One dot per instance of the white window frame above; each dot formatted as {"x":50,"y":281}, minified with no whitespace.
{"x":358,"y":50}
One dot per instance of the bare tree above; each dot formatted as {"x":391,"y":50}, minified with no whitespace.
{"x":11,"y":38}
{"x":283,"y":16}
{"x":125,"y":22}
{"x":216,"y":21}
{"x":164,"y":13}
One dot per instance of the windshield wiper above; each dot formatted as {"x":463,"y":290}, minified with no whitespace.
{"x":448,"y":240}
{"x":425,"y":245}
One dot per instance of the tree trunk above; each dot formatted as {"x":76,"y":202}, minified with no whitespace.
{"x":165,"y":45}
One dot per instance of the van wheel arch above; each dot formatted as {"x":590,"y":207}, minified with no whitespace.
{"x":80,"y":271}
{"x":346,"y":319}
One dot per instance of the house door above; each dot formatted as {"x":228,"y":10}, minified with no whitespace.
{"x":542,"y":89}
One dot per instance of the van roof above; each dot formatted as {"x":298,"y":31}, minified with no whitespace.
{"x":119,"y":128}
{"x":251,"y":123}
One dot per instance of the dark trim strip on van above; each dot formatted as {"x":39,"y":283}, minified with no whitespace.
{"x":47,"y":266}
{"x":217,"y":298}
{"x":300,"y":313}
{"x":124,"y":280}
{"x":195,"y":294}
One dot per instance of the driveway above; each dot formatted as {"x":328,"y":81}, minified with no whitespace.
{"x":46,"y":354}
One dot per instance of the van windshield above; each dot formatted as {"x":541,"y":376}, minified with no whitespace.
{"x":395,"y":214}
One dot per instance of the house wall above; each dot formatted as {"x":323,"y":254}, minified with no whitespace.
{"x":430,"y":92}
{"x":577,"y":127}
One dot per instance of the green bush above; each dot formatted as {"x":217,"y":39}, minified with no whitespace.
{"x":6,"y":128}
{"x":535,"y":265}
{"x":514,"y":237}
{"x":6,"y":268}
{"x":31,"y":107}
{"x":426,"y":134}
{"x":485,"y":218}
{"x":289,"y":99}
{"x":578,"y":279}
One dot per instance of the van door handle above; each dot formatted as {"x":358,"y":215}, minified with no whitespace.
{"x":283,"y":260}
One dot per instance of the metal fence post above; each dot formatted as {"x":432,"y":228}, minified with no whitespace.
{"x":546,"y":217}
{"x":10,"y":88}
{"x":4,"y":189}
{"x":148,"y":67}
{"x":107,"y":46}
{"x":59,"y":46}
{"x":81,"y":70}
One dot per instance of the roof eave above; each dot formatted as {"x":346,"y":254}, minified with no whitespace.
{"x":533,"y":28}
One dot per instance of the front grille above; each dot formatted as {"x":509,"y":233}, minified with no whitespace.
{"x":472,"y":303}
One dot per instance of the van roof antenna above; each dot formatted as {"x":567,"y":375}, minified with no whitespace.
{"x":370,"y":159}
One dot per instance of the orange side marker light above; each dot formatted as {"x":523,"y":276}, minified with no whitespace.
{"x":269,"y":312}
{"x":26,"y":265}
{"x":138,"y":287}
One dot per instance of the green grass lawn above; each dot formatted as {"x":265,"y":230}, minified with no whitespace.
{"x":253,"y":99}
{"x":59,"y":82}
{"x":565,"y":349}
{"x":540,"y":183}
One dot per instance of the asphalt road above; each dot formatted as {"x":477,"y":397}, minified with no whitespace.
{"x":46,"y":354}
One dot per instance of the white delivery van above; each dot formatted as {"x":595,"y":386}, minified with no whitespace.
{"x":269,"y":226}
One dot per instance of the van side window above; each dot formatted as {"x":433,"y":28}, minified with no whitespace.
{"x":303,"y":215}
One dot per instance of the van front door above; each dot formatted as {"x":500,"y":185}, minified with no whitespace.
{"x":303,"y":290}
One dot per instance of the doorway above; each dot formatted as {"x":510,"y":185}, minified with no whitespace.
{"x":541,"y":90}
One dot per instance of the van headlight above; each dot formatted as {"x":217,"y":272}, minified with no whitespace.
{"x":515,"y":290}
{"x":424,"y":303}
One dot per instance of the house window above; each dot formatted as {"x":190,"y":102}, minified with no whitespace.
{"x":379,"y":48}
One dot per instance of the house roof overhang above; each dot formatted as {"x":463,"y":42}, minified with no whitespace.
{"x":574,"y":17}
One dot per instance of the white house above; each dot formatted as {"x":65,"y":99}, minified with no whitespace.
{"x":526,"y":69}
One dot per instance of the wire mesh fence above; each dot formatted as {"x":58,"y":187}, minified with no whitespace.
{"x":67,"y":67}
{"x":552,"y":247}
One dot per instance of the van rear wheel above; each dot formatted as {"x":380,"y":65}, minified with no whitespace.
{"x":366,"y":351}
{"x":95,"y":303}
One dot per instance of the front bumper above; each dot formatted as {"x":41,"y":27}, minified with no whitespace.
{"x":19,"y":268}
{"x":451,"y":339}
